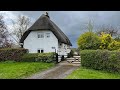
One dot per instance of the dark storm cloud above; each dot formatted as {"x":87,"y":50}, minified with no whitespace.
{"x":73,"y":23}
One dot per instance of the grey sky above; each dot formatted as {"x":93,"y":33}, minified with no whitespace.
{"x":72,"y":23}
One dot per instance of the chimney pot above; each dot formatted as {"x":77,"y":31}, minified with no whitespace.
{"x":47,"y":15}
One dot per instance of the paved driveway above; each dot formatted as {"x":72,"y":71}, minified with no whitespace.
{"x":58,"y":72}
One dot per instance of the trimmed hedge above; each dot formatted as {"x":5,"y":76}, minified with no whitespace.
{"x":46,"y":57}
{"x":101,"y":60}
{"x":12,"y":54}
{"x":38,"y":57}
{"x":29,"y":57}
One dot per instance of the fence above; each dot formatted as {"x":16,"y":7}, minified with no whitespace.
{"x":59,"y":58}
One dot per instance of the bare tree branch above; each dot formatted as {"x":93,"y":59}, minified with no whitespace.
{"x":3,"y":33}
{"x":109,"y":30}
{"x":20,"y":26}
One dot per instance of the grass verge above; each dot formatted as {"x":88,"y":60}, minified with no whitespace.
{"x":83,"y":73}
{"x":17,"y":70}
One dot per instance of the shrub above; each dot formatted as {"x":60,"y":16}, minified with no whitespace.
{"x":88,"y":40}
{"x":29,"y":57}
{"x":114,"y":45}
{"x":12,"y":54}
{"x":38,"y":57}
{"x":101,"y":60}
{"x":46,"y":57}
{"x":118,"y":50}
{"x":106,"y":39}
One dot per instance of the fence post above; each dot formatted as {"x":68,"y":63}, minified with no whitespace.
{"x":56,"y":57}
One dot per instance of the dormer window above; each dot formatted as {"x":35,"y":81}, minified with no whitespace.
{"x":40,"y":35}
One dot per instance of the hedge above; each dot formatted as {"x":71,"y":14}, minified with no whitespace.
{"x":12,"y":54}
{"x":38,"y":57}
{"x":29,"y":57}
{"x":101,"y":60}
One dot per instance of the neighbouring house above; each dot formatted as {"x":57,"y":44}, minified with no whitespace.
{"x":45,"y":36}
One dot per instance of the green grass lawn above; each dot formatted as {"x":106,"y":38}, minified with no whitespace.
{"x":16,"y":70}
{"x":83,"y":73}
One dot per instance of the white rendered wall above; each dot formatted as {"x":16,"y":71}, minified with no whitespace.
{"x":33,"y":43}
{"x":64,"y":49}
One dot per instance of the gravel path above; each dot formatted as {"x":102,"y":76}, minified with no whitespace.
{"x":59,"y":72}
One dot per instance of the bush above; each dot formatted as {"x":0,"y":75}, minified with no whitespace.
{"x":88,"y":40}
{"x":38,"y":57}
{"x":46,"y":57}
{"x":12,"y":54}
{"x":29,"y":57}
{"x":101,"y":60}
{"x":114,"y":45}
{"x":106,"y":39}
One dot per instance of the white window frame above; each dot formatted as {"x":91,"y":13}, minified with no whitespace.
{"x":40,"y":35}
{"x":47,"y":35}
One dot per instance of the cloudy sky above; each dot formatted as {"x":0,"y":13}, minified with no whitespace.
{"x":72,"y":23}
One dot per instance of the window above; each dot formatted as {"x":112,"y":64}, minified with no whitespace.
{"x":42,"y":51}
{"x":53,"y":47}
{"x":60,"y":45}
{"x":47,"y":35}
{"x":65,"y":47}
{"x":38,"y":51}
{"x":40,"y":35}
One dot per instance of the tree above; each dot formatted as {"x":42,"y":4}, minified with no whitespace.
{"x":3,"y":33}
{"x":110,"y":38}
{"x":117,"y":39}
{"x":108,"y":30}
{"x":90,"y":26}
{"x":20,"y":25}
{"x":88,"y":40}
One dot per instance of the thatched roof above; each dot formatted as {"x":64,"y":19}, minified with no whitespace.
{"x":44,"y":23}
